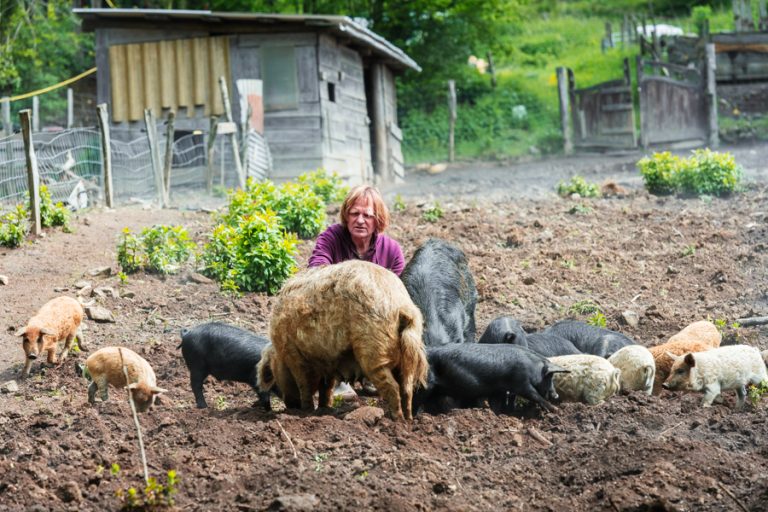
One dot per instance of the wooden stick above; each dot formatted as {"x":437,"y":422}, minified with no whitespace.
{"x":135,"y":418}
{"x":295,"y":455}
{"x":733,"y":497}
{"x":673,"y":427}
{"x":752,"y":321}
{"x":539,"y":437}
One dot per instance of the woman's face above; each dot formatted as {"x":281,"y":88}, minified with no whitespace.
{"x":361,"y":221}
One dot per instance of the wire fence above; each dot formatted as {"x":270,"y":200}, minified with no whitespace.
{"x":70,"y":165}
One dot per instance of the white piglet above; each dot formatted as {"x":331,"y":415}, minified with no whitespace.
{"x":638,"y":369}
{"x":106,"y":368}
{"x":590,"y":379}
{"x":718,"y":370}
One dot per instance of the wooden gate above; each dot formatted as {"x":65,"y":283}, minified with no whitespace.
{"x":676,"y":104}
{"x":601,"y":116}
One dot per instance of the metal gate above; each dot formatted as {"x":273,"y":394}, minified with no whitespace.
{"x":602,"y":116}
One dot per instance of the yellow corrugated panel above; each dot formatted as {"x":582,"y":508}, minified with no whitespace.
{"x":201,"y":70}
{"x":219,"y":65}
{"x":117,"y":78}
{"x":150,"y":63}
{"x":184,"y":77}
{"x":168,"y":75}
{"x":135,"y":80}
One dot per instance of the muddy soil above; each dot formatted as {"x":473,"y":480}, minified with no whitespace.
{"x":669,"y":260}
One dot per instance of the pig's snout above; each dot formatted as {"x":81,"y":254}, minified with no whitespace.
{"x":32,"y":356}
{"x":665,"y":385}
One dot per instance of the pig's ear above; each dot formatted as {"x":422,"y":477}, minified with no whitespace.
{"x":689,"y":360}
{"x":156,"y":390}
{"x":21,"y":332}
{"x":553,"y":368}
{"x":47,"y":331}
{"x":673,"y":357}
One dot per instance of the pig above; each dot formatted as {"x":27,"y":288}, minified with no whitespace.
{"x":717,"y":370}
{"x":224,"y":351}
{"x":638,"y":369}
{"x":105,"y":366}
{"x":703,"y":331}
{"x":470,"y":372}
{"x":550,"y":345}
{"x":440,"y":283}
{"x":505,"y":329}
{"x":58,"y":319}
{"x":342,"y":322}
{"x":270,"y":370}
{"x":590,"y":379}
{"x":664,"y":362}
{"x":590,"y":339}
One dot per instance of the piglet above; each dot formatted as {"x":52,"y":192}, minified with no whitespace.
{"x":106,"y":367}
{"x":717,"y":370}
{"x":590,"y":379}
{"x":638,"y":368}
{"x":58,"y":319}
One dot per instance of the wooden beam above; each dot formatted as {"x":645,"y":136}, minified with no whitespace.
{"x":106,"y":153}
{"x":33,"y":176}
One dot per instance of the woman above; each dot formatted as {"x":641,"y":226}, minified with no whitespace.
{"x":359,"y":235}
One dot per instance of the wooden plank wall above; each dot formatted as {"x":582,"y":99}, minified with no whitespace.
{"x":174,"y":74}
{"x":394,"y":135}
{"x":294,"y":135}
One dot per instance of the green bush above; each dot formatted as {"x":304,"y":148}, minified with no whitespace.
{"x":161,"y":249}
{"x":299,"y":209}
{"x":52,"y":214}
{"x":432,"y":213}
{"x":706,"y":172}
{"x":659,"y":172}
{"x":254,"y":255}
{"x":258,"y":196}
{"x":14,"y":227}
{"x":578,"y":185}
{"x":328,"y":186}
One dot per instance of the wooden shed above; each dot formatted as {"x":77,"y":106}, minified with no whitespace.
{"x":329,"y":96}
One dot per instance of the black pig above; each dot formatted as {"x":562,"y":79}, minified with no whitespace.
{"x":505,"y":329}
{"x":470,"y":372}
{"x":589,"y":338}
{"x":442,"y":287}
{"x":224,"y":351}
{"x":549,"y":344}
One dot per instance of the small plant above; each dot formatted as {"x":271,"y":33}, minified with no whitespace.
{"x":123,"y":277}
{"x":130,"y":256}
{"x":399,"y":204}
{"x":160,"y":249}
{"x":114,"y":469}
{"x":659,"y":172}
{"x":568,"y":263}
{"x":578,"y":185}
{"x":221,"y":403}
{"x":757,"y":391}
{"x":597,"y":319}
{"x":689,"y":250}
{"x":156,"y":495}
{"x":52,"y":214}
{"x":338,"y":401}
{"x":581,"y":209}
{"x":319,"y":459}
{"x":327,"y":186}
{"x":14,"y":227}
{"x":432,"y":213}
{"x":584,"y":307}
{"x":300,"y":210}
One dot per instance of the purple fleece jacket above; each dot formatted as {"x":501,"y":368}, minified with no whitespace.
{"x":335,"y":245}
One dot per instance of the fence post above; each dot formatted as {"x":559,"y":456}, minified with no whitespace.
{"x":149,"y":121}
{"x":233,"y":135}
{"x":106,"y":153}
{"x":70,"y":108}
{"x":7,"y":126}
{"x":211,"y":142}
{"x":491,"y":68}
{"x":762,"y":24}
{"x":452,"y":118}
{"x":714,"y":136}
{"x":35,"y":114}
{"x":643,"y":105}
{"x":33,"y":176}
{"x":565,"y":109}
{"x":168,"y":164}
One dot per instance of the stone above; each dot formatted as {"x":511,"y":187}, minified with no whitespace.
{"x":194,"y":277}
{"x":100,"y":271}
{"x":85,"y":291}
{"x":9,"y":387}
{"x":60,"y":289}
{"x":308,"y":502}
{"x":81,"y":284}
{"x":4,"y":280}
{"x":128,"y":294}
{"x":69,"y":492}
{"x":529,"y":280}
{"x":99,"y":314}
{"x":106,"y":291}
{"x":366,"y":414}
{"x":631,"y":318}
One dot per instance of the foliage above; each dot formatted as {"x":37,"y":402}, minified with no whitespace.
{"x":432,"y":213}
{"x":399,"y":204}
{"x":300,"y":210}
{"x":155,"y":495}
{"x":659,"y":172}
{"x":14,"y":227}
{"x":688,"y":250}
{"x":329,"y":187}
{"x":756,"y":392}
{"x":252,"y":253}
{"x":584,"y":307}
{"x":700,"y":15}
{"x":578,"y":185}
{"x":159,"y":249}
{"x":597,"y":319}
{"x":580,"y":209}
{"x":705,"y":172}
{"x":52,"y":214}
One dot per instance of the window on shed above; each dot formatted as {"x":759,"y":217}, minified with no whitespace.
{"x":278,"y":70}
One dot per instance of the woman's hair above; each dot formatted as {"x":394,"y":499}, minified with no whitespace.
{"x":380,"y":210}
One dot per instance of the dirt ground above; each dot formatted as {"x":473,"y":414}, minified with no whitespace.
{"x":670,"y":260}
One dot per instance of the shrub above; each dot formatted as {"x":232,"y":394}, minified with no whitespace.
{"x":578,"y":185}
{"x":14,"y":227}
{"x":254,"y":255}
{"x":52,"y":214}
{"x":299,"y":209}
{"x":659,"y":172}
{"x":709,"y":172}
{"x":258,"y":196}
{"x":328,"y":186}
{"x":158,"y":249}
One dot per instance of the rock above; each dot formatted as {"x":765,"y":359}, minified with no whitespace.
{"x":292,"y":502}
{"x":4,"y":280}
{"x":81,"y":284}
{"x":631,"y":317}
{"x":99,"y":314}
{"x":194,"y":277}
{"x":100,"y":271}
{"x":672,"y":270}
{"x":366,"y":414}
{"x":106,"y":291}
{"x":60,"y":289}
{"x":9,"y":387}
{"x":529,"y":280}
{"x":69,"y":492}
{"x":128,"y":294}
{"x":85,"y":291}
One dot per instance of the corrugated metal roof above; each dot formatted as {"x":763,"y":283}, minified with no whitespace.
{"x":340,"y":25}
